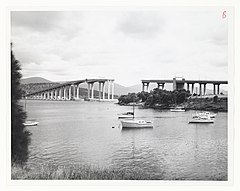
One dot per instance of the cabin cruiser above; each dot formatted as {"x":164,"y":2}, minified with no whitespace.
{"x":206,"y":113}
{"x":136,"y":123}
{"x":202,"y":118}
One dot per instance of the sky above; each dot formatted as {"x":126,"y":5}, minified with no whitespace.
{"x":127,"y":46}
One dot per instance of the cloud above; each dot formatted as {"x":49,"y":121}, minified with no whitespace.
{"x":141,"y":24}
{"x":125,"y":45}
{"x":41,"y":21}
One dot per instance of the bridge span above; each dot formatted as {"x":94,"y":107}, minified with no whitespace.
{"x":71,"y":90}
{"x":179,"y":83}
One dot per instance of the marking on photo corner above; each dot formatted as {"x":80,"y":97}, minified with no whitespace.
{"x":224,"y":14}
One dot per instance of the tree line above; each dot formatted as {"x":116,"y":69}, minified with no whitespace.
{"x":156,"y":97}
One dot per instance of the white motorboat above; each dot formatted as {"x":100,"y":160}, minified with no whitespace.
{"x":136,"y":124}
{"x":178,"y":109}
{"x":201,"y":119}
{"x":206,"y":113}
{"x":133,"y":123}
{"x":126,"y":115}
{"x":30,"y":123}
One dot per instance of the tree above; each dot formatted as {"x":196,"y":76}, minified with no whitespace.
{"x":19,"y":135}
{"x":215,"y":99}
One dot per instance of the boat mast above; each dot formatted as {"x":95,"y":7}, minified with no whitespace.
{"x":133,"y":110}
{"x":25,"y":105}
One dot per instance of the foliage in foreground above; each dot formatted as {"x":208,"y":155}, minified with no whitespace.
{"x":85,"y":172}
{"x":52,"y":172}
{"x":19,"y":136}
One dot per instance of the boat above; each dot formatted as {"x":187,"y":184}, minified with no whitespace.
{"x":201,"y":119}
{"x":30,"y":123}
{"x":178,"y":109}
{"x":206,"y":113}
{"x":136,"y":124}
{"x":126,"y":115}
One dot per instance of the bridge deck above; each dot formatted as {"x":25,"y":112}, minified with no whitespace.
{"x":187,"y":81}
{"x":68,"y":84}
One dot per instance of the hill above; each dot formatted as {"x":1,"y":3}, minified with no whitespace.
{"x":34,"y":80}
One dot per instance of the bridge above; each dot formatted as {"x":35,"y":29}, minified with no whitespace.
{"x":179,"y":83}
{"x":71,"y":90}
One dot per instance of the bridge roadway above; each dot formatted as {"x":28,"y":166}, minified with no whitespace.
{"x":71,"y":90}
{"x":179,"y":84}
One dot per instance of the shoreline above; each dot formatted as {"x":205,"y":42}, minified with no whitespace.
{"x":207,"y":104}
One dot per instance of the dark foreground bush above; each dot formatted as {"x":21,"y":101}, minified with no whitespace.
{"x":19,"y":136}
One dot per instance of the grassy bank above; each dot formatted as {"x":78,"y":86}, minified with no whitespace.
{"x":52,"y":172}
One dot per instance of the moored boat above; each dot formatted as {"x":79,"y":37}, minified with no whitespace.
{"x":206,"y":113}
{"x":201,"y":119}
{"x":30,"y":123}
{"x":178,"y":109}
{"x":136,"y":124}
{"x":126,"y":115}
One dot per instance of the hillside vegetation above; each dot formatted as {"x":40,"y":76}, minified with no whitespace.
{"x":34,"y":80}
{"x":163,"y":99}
{"x":34,"y":87}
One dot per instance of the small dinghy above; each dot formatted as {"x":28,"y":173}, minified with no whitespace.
{"x":30,"y":123}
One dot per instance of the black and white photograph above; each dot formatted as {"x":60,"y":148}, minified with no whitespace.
{"x":120,"y":94}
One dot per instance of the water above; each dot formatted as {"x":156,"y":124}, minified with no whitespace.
{"x":73,"y":133}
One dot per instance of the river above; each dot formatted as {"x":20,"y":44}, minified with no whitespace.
{"x":90,"y":133}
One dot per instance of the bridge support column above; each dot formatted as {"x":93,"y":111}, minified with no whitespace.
{"x":56,"y":94}
{"x":200,"y":89}
{"x":64,"y":93}
{"x":187,"y":86}
{"x":92,"y":90}
{"x":103,"y":87}
{"x":60,"y":94}
{"x":148,"y":87}
{"x":160,"y":85}
{"x":218,"y":89}
{"x":99,"y":90}
{"x":112,"y":90}
{"x":204,"y":89}
{"x":88,"y":90}
{"x":52,"y":95}
{"x":143,"y":86}
{"x":48,"y":95}
{"x":74,"y":91}
{"x":109,"y":89}
{"x":70,"y":92}
{"x":78,"y":91}
{"x":214,"y":90}
{"x":192,"y":88}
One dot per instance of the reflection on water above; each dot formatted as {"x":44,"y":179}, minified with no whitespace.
{"x":90,"y":133}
